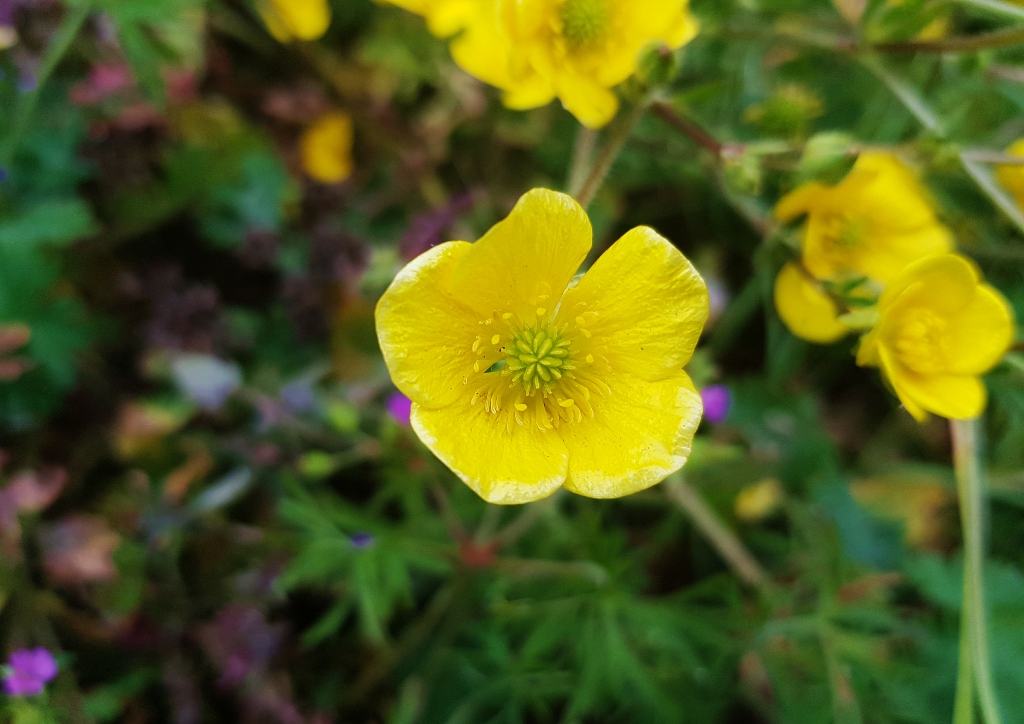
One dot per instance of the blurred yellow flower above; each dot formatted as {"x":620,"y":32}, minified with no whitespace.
{"x":869,"y":226}
{"x":1012,"y":177}
{"x":573,"y":50}
{"x":326,"y":148}
{"x":289,"y":20}
{"x":444,"y":17}
{"x":522,"y":382}
{"x":759,"y":500}
{"x":939,"y":328}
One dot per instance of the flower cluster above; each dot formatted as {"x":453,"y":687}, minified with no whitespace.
{"x":523,"y":381}
{"x":573,"y":50}
{"x":875,"y":258}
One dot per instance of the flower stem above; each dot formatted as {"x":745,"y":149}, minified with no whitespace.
{"x":997,"y":7}
{"x":610,"y":151}
{"x":66,"y":33}
{"x":582,"y":156}
{"x":966,"y":458}
{"x":961,"y":44}
{"x":726,"y":542}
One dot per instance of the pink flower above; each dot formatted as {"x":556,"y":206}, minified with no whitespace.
{"x":30,"y":671}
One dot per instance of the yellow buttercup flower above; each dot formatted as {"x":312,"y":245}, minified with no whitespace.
{"x":870,"y":226}
{"x":289,"y":20}
{"x":1012,"y":177}
{"x":326,"y":148}
{"x":939,"y":328}
{"x":522,"y":382}
{"x":444,"y":17}
{"x":573,"y":50}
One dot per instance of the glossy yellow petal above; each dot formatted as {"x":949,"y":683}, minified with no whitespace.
{"x":593,"y":105}
{"x":525,"y":262}
{"x":956,"y":397}
{"x":643,"y":302}
{"x":426,"y":336}
{"x":295,"y":19}
{"x":981,"y":333}
{"x":800,"y":201}
{"x":640,"y":433}
{"x":326,"y":148}
{"x":945,"y":282}
{"x":1012,"y":177}
{"x":896,"y":377}
{"x":805,"y":309}
{"x":504,"y":468}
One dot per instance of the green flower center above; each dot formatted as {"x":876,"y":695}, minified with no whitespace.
{"x":584,"y":21}
{"x":537,"y":357}
{"x":846,"y":231}
{"x":920,"y":341}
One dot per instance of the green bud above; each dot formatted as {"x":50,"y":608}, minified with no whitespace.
{"x":658,"y":65}
{"x":827,"y":157}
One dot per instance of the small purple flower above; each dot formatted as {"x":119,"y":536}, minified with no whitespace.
{"x":362,"y":540}
{"x":399,"y":407}
{"x":30,"y":671}
{"x":717,"y":401}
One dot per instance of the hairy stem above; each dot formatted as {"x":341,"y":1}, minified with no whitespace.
{"x":582,"y":157}
{"x":610,"y":151}
{"x":727,"y":543}
{"x":966,"y":458}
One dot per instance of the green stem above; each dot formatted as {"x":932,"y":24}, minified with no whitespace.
{"x":995,"y":7}
{"x":955,"y":44}
{"x":58,"y":47}
{"x":726,"y":542}
{"x":610,"y":151}
{"x":582,"y":156}
{"x":966,"y":458}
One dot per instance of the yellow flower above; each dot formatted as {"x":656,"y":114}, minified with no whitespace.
{"x":1012,"y":177}
{"x":939,"y":328}
{"x":759,"y":500}
{"x":869,"y":226}
{"x":326,"y":148}
{"x":522,"y":382}
{"x":289,"y":20}
{"x":576,"y":50}
{"x":444,"y":17}
{"x":805,"y":308}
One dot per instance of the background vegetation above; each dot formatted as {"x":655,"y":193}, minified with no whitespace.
{"x":208,"y":512}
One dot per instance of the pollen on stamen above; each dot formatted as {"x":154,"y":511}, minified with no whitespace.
{"x":495,"y":339}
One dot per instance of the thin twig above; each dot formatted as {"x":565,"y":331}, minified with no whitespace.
{"x":961,"y":44}
{"x":974,"y":615}
{"x":727,"y":543}
{"x":698,"y":135}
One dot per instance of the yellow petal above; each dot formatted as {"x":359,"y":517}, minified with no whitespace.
{"x":957,"y":397}
{"x":1012,"y":177}
{"x":295,"y":19}
{"x":326,"y":148}
{"x":981,"y":333}
{"x":805,"y":309}
{"x":640,"y":433}
{"x":799,"y":201}
{"x":593,"y":105}
{"x":945,"y":283}
{"x":897,"y":377}
{"x":527,"y":260}
{"x":426,"y":336}
{"x":501,"y":467}
{"x":645,"y":301}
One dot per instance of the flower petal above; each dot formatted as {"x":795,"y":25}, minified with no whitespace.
{"x":593,"y":105}
{"x":981,"y":333}
{"x":645,"y":301}
{"x":945,"y":283}
{"x":957,"y":397}
{"x":526,"y":260}
{"x":501,"y":467}
{"x":808,"y":312}
{"x":640,"y":433}
{"x":425,"y":335}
